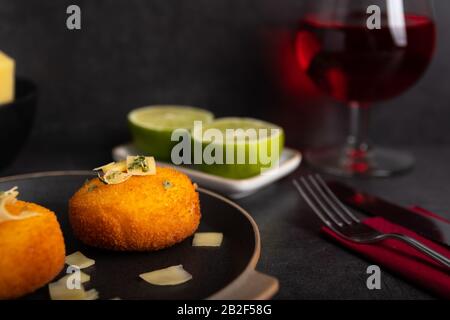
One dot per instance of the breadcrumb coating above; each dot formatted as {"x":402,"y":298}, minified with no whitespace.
{"x":143,"y":213}
{"x":32,"y":251}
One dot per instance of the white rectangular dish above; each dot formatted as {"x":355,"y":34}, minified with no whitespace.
{"x":233,"y":188}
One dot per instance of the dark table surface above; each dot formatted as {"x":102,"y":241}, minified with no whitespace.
{"x":234,"y":58}
{"x":307,"y":265}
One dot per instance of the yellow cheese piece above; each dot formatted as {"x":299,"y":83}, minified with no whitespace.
{"x":115,"y":177}
{"x":168,"y":276}
{"x":7,"y":67}
{"x":80,"y":260}
{"x":91,"y":295}
{"x":8,"y":197}
{"x":207,"y":239}
{"x":59,"y":291}
{"x":141,"y":166}
{"x":113,"y":166}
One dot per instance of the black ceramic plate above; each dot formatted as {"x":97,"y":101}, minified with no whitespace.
{"x":115,"y":274}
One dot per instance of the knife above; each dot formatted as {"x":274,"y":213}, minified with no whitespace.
{"x":430,"y":228}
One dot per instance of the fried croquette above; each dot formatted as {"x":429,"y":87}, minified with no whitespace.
{"x":143,"y":213}
{"x":32,"y":250}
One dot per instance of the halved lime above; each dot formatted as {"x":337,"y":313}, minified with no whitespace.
{"x":238,"y":147}
{"x":152,"y":126}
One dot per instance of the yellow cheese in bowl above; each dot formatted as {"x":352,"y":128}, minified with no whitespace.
{"x":7,"y":66}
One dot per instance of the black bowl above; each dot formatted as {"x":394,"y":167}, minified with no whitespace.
{"x":16,"y":120}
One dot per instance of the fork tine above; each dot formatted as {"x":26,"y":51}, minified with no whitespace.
{"x":311,"y":203}
{"x":320,"y":202}
{"x":328,"y":200}
{"x":336,"y":200}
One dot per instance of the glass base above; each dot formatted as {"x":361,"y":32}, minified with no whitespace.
{"x":348,"y":162}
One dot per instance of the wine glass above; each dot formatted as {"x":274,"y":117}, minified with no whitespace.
{"x":361,"y":52}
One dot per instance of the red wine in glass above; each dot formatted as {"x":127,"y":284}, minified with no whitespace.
{"x":353,"y":63}
{"x":358,"y":64}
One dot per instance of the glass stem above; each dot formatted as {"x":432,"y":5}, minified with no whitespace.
{"x":359,"y":128}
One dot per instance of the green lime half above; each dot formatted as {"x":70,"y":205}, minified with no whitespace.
{"x":237,"y":148}
{"x":152,"y":126}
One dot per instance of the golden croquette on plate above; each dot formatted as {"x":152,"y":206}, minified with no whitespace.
{"x":32,"y":250}
{"x":142,"y":213}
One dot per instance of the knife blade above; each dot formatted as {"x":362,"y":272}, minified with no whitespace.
{"x":430,"y":228}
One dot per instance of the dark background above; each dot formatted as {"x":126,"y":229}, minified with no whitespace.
{"x":233,"y":57}
{"x":230,"y":56}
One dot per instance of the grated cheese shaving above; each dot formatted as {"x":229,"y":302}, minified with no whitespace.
{"x":59,"y":291}
{"x":168,"y":276}
{"x":141,"y":166}
{"x":10,"y":197}
{"x":207,"y":239}
{"x":79,"y":260}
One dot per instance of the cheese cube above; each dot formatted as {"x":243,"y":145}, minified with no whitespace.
{"x":7,"y":66}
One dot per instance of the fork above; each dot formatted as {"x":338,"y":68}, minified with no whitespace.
{"x":343,"y":222}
